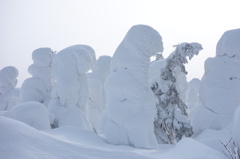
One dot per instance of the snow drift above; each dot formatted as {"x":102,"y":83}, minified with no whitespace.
{"x":19,"y":140}
{"x":31,"y":113}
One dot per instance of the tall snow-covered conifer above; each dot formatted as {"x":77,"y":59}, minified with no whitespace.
{"x":9,"y":95}
{"x":130,"y":108}
{"x":70,"y":89}
{"x":39,"y":86}
{"x":219,"y":93}
{"x":169,"y":88}
{"x":97,"y":101}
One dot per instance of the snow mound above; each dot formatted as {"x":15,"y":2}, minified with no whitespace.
{"x":77,"y":135}
{"x":18,"y":140}
{"x":34,"y":114}
{"x":188,"y":148}
{"x":229,"y":44}
{"x":212,"y":138}
{"x":68,"y":116}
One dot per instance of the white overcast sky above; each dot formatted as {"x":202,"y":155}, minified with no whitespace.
{"x":26,"y":25}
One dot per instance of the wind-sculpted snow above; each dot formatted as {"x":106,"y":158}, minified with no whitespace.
{"x":32,"y":113}
{"x":19,"y":140}
{"x":70,"y":91}
{"x":130,"y":110}
{"x":39,"y":86}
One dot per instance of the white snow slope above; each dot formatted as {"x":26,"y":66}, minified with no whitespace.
{"x":20,"y":141}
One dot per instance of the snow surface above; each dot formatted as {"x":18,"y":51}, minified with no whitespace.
{"x":19,"y":140}
{"x":130,"y":109}
{"x":34,"y":114}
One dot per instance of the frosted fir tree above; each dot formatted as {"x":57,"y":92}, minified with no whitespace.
{"x":9,"y":95}
{"x":39,"y":86}
{"x":70,"y":89}
{"x":172,"y":123}
{"x":130,"y":109}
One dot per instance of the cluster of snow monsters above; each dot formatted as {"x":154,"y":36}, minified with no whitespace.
{"x":116,"y":98}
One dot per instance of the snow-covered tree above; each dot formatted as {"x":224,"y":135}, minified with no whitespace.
{"x":193,"y":93}
{"x":170,"y":88}
{"x":97,"y":101}
{"x":9,"y":95}
{"x":70,"y":90}
{"x":38,"y":87}
{"x":130,"y":108}
{"x":219,"y":93}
